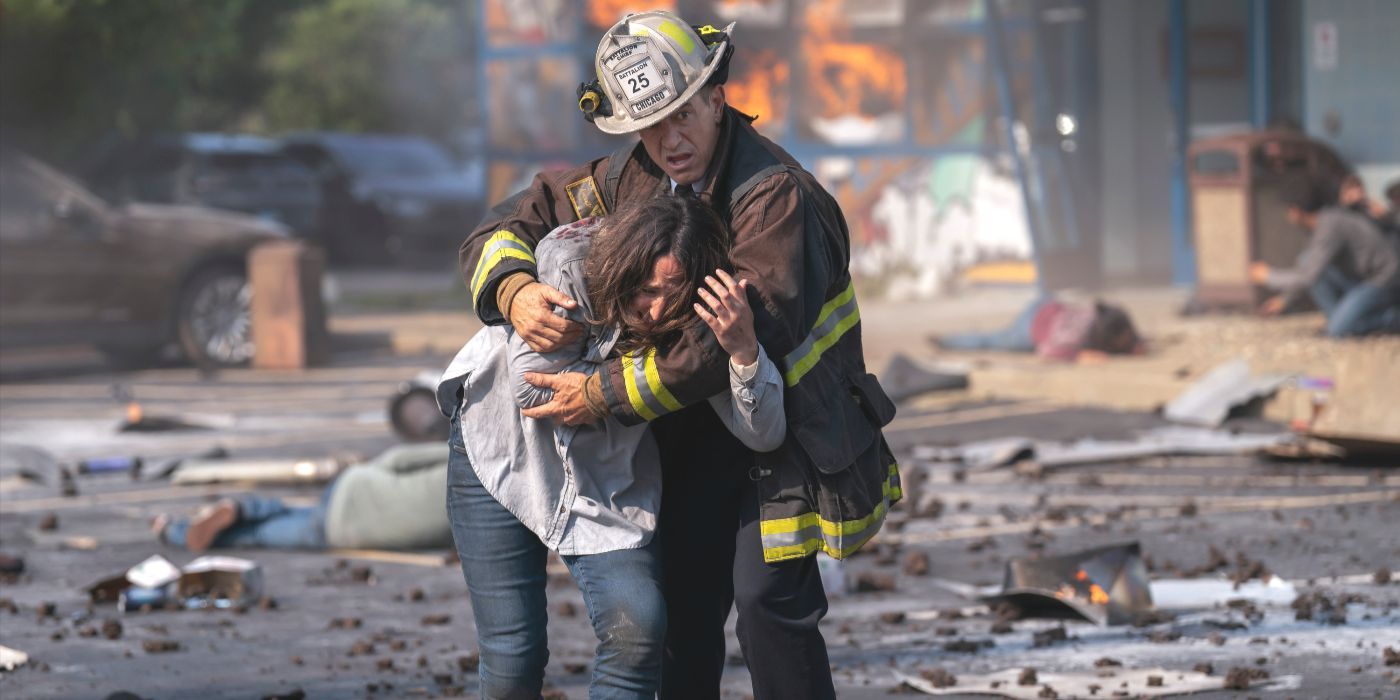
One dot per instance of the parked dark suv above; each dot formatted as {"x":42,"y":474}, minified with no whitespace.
{"x":130,"y":280}
{"x":389,"y":198}
{"x":225,"y":171}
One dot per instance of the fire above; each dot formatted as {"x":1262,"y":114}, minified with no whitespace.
{"x":605,"y":13}
{"x":761,"y":88}
{"x":1082,"y":575}
{"x":1097,"y":595}
{"x":848,"y":78}
{"x":133,"y":412}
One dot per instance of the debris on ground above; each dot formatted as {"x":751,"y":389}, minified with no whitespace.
{"x":905,"y":378}
{"x":1228,"y":387}
{"x":11,"y":659}
{"x":259,"y":471}
{"x":1103,"y":585}
{"x":1241,"y":678}
{"x":1147,"y":682}
{"x":160,"y":646}
{"x":939,"y":677}
{"x":49,"y":522}
{"x":874,"y":582}
{"x":438,"y":619}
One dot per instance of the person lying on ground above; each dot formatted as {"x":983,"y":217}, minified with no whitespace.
{"x":393,"y":501}
{"x":520,"y":487}
{"x":1349,"y":266}
{"x":1058,"y":329}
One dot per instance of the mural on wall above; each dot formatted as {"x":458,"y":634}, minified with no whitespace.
{"x":888,"y":102}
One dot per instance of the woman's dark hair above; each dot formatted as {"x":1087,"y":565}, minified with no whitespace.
{"x":624,"y":253}
{"x":1112,"y":331}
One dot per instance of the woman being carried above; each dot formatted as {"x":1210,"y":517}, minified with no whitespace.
{"x":519,"y":487}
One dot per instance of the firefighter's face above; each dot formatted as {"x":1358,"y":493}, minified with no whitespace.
{"x":684,"y":142}
{"x":666,"y":281}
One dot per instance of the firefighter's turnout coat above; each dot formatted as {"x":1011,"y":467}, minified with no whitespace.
{"x":831,"y":483}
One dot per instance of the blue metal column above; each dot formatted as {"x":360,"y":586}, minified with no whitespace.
{"x":1260,"y":77}
{"x":1183,"y":257}
{"x":1001,"y":75}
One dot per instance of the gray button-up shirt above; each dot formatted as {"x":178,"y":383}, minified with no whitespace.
{"x":586,"y":489}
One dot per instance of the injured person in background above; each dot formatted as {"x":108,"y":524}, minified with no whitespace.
{"x":1058,"y":329}
{"x":394,"y":501}
{"x":1350,"y":266}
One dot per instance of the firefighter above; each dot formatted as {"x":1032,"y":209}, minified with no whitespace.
{"x":737,"y":528}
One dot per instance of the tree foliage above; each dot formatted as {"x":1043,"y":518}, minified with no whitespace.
{"x":76,"y":72}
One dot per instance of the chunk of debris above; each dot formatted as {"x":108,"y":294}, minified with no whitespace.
{"x":1391,"y":656}
{"x":1204,"y":667}
{"x":44,"y":610}
{"x":892,"y":617}
{"x":1047,"y":692}
{"x":416,"y":595}
{"x":438,"y":619}
{"x":1104,"y":585}
{"x":874,"y":582}
{"x":1246,"y":569}
{"x":160,"y":646}
{"x":1189,"y":509}
{"x":939,"y":677}
{"x":916,"y":564}
{"x":1382,"y":576}
{"x":566,"y":609}
{"x":1106,"y":662}
{"x":968,"y":646}
{"x":1049,"y":637}
{"x":361,"y":648}
{"x":1028,"y":677}
{"x":1164,"y":636}
{"x":574,"y":668}
{"x":469,"y":662}
{"x":49,"y":522}
{"x":293,"y":694}
{"x":9,"y":606}
{"x":1240,"y":678}
{"x":1154,"y":681}
{"x":11,"y":659}
{"x":384,"y":664}
{"x":345,"y":623}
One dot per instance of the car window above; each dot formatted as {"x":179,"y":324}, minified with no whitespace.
{"x":394,"y":158}
{"x":221,"y":172}
{"x":25,"y":210}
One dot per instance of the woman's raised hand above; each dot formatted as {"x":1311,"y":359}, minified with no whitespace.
{"x":729,"y":316}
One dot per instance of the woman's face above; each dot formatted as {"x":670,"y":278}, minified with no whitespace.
{"x":666,"y":281}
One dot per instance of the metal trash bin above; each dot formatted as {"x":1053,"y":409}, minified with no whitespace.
{"x":1237,"y":212}
{"x":288,"y":317}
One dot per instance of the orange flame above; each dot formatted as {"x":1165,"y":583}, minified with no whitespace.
{"x":1097,"y":595}
{"x":847,"y":78}
{"x":760,"y":89}
{"x":606,"y":13}
{"x":1082,"y":575}
{"x":133,"y":412}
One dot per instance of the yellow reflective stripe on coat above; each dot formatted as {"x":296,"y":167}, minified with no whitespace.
{"x":649,"y":397}
{"x":501,"y":245}
{"x":838,"y":315}
{"x":802,"y":535}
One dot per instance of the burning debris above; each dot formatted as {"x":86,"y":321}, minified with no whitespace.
{"x":1105,"y":585}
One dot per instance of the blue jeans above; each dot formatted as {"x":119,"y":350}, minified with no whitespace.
{"x":266,"y":522}
{"x":1355,"y":308}
{"x":1013,"y":338}
{"x":504,"y":565}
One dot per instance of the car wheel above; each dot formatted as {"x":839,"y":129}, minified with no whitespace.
{"x":215,"y":325}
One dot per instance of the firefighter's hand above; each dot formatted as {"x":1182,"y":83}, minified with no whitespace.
{"x":729,"y":316}
{"x":1272,"y":306}
{"x":532,"y":316}
{"x":568,"y":405}
{"x":1258,"y":272}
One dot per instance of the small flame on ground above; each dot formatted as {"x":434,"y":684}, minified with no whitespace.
{"x":1097,"y":595}
{"x":133,"y":412}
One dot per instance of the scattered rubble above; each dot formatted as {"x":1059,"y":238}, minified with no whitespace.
{"x":1028,"y":677}
{"x":1240,"y":678}
{"x":874,"y":582}
{"x":438,"y":619}
{"x":160,"y":646}
{"x":49,"y":522}
{"x":939,"y":677}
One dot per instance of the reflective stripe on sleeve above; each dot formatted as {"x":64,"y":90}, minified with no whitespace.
{"x":648,"y":396}
{"x":802,"y":535}
{"x":838,"y":315}
{"x":501,"y":245}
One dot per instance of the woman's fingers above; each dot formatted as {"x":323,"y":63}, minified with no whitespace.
{"x":705,"y":316}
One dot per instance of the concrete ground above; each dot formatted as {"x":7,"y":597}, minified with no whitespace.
{"x":1326,"y":527}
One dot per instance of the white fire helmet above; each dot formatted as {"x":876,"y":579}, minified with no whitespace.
{"x":649,"y":64}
